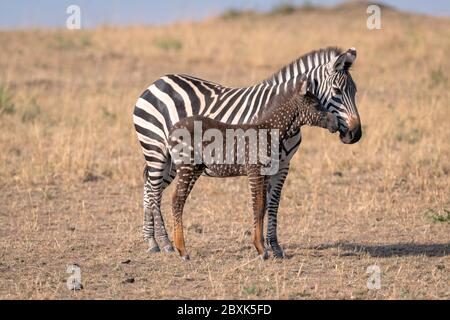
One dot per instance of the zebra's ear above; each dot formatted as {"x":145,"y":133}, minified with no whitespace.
{"x":343,"y":61}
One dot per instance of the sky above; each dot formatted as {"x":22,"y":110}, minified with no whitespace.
{"x":21,"y":14}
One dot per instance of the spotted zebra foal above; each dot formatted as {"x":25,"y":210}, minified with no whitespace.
{"x":286,"y":114}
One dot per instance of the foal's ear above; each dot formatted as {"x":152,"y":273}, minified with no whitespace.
{"x":343,"y":61}
{"x":302,"y":85}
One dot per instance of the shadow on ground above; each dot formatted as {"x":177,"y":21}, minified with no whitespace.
{"x":384,"y":250}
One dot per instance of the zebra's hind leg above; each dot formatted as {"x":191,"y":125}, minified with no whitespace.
{"x":165,"y":244}
{"x":161,"y":233}
{"x":148,"y":229}
{"x":274,"y":189}
{"x":153,"y":221}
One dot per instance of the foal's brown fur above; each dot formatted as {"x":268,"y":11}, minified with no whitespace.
{"x":286,"y":113}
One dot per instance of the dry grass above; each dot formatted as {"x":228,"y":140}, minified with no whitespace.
{"x":70,"y":174}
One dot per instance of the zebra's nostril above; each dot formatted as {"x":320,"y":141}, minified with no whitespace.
{"x":352,"y":136}
{"x":357,"y":134}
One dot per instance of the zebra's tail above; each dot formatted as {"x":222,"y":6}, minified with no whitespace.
{"x":145,"y":173}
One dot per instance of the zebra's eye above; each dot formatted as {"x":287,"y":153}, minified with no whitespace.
{"x":337,"y":91}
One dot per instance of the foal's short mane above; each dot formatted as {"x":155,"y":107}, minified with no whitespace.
{"x":283,"y":98}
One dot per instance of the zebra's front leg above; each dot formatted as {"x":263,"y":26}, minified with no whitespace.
{"x":153,"y":221}
{"x":148,"y":229}
{"x":274,"y":189}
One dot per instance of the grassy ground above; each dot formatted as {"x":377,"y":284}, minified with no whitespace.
{"x":70,"y":174}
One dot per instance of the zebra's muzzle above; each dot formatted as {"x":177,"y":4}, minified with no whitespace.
{"x":352,"y":135}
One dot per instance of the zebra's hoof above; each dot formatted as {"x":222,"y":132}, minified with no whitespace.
{"x":278,"y":256}
{"x":168,"y":248}
{"x":278,"y":253}
{"x":152,"y":246}
{"x":154,"y":249}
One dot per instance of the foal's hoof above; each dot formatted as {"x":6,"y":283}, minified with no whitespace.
{"x":168,"y":248}
{"x":264,"y":256}
{"x":185,"y":258}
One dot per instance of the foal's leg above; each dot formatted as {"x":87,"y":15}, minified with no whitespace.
{"x":187,"y":175}
{"x":258,"y":186}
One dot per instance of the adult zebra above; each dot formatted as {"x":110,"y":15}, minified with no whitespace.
{"x":174,"y":96}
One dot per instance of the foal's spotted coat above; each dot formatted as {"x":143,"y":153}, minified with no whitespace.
{"x":286,"y":114}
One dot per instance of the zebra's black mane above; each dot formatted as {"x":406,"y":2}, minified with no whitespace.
{"x":317,"y":57}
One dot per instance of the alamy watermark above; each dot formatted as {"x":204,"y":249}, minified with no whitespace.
{"x":374,"y":281}
{"x":237,"y":147}
{"x":73,"y":21}
{"x":374,"y":19}
{"x":74,"y":281}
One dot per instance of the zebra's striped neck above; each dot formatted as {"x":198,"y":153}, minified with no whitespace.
{"x":305,"y":64}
